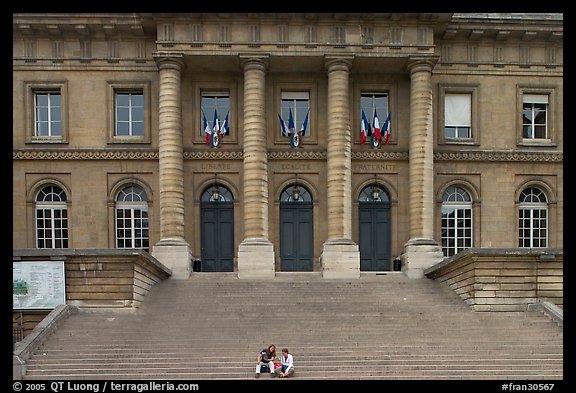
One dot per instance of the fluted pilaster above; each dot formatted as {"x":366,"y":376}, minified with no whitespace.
{"x":421,"y":171}
{"x":339,"y":150}
{"x":170,"y":150}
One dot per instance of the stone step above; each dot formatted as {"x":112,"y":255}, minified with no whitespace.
{"x":412,"y":329}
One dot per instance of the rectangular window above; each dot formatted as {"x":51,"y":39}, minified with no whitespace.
{"x":457,"y":116}
{"x":132,"y":228}
{"x":534,"y":116}
{"x":299,"y":104}
{"x":51,"y":227}
{"x":532,"y":228}
{"x":374,"y":103}
{"x":48,"y":114}
{"x":129,"y":113}
{"x":215,"y":106}
{"x":456,"y":230}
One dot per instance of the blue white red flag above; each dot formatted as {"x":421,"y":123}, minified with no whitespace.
{"x":291,"y":128}
{"x":216,"y":126}
{"x":363,"y":128}
{"x":304,"y":127}
{"x":283,"y":126}
{"x":377,"y":134}
{"x":225,"y":128}
{"x":387,"y":128}
{"x":206,"y":126}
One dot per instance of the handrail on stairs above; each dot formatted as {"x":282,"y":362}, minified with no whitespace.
{"x":25,"y":348}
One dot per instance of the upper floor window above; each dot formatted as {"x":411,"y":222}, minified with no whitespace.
{"x":215,"y":106}
{"x":296,"y":104}
{"x":48,"y":114}
{"x":533,"y":218}
{"x":457,"y":116}
{"x":456,"y":220}
{"x":534,"y":116}
{"x":374,"y":104}
{"x":51,"y":218}
{"x":132,"y":218}
{"x":46,"y":111}
{"x":129,"y":113}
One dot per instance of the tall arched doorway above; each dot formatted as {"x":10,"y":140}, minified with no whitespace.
{"x":374,"y":229}
{"x":296,"y":229}
{"x":217,"y":229}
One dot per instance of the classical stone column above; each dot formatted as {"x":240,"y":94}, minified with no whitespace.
{"x":421,"y":251}
{"x":172,"y":249}
{"x":340,"y":255}
{"x":255,"y":252}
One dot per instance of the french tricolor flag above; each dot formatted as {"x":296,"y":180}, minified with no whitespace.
{"x":363,"y":128}
{"x":377,"y":134}
{"x":387,"y":128}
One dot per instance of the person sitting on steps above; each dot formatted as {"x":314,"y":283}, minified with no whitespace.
{"x":266,"y":357}
{"x":287,"y":368}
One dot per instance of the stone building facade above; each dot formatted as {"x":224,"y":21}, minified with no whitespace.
{"x":163,"y":132}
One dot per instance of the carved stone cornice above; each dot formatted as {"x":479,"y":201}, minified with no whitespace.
{"x":213,"y":155}
{"x":297,"y":155}
{"x":499,"y":156}
{"x":85,"y":155}
{"x":379,"y":155}
{"x":494,"y":156}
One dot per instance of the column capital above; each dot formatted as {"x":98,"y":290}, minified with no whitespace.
{"x":169,"y":60}
{"x":253,"y":61}
{"x":338,"y":62}
{"x":421,"y":63}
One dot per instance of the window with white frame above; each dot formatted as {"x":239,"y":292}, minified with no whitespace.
{"x":457,"y":116}
{"x":132,"y":218}
{"x":48,"y":114}
{"x":297,"y":103}
{"x":533,"y":219}
{"x":51,"y":218}
{"x":456,"y":220}
{"x":534,"y":116}
{"x":215,"y":106}
{"x":129,"y":113}
{"x":374,"y":104}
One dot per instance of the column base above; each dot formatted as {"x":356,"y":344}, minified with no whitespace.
{"x":256,"y":259}
{"x":419,"y":254}
{"x":176,"y":255}
{"x":340,"y":259}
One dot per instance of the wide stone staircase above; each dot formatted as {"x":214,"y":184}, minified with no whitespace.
{"x":380,"y":326}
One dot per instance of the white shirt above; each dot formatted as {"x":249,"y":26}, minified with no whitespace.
{"x":287,"y":361}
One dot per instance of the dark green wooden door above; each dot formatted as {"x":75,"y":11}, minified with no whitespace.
{"x":375,"y":239}
{"x":217,"y":236}
{"x":296,"y":236}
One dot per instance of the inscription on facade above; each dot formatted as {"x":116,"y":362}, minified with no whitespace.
{"x":374,"y":168}
{"x":215,"y":167}
{"x":295,"y":167}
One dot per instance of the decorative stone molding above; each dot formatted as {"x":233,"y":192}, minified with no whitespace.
{"x":512,"y":156}
{"x":379,"y":155}
{"x":297,"y":155}
{"x":213,"y":155}
{"x":84,"y":155}
{"x":480,"y":155}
